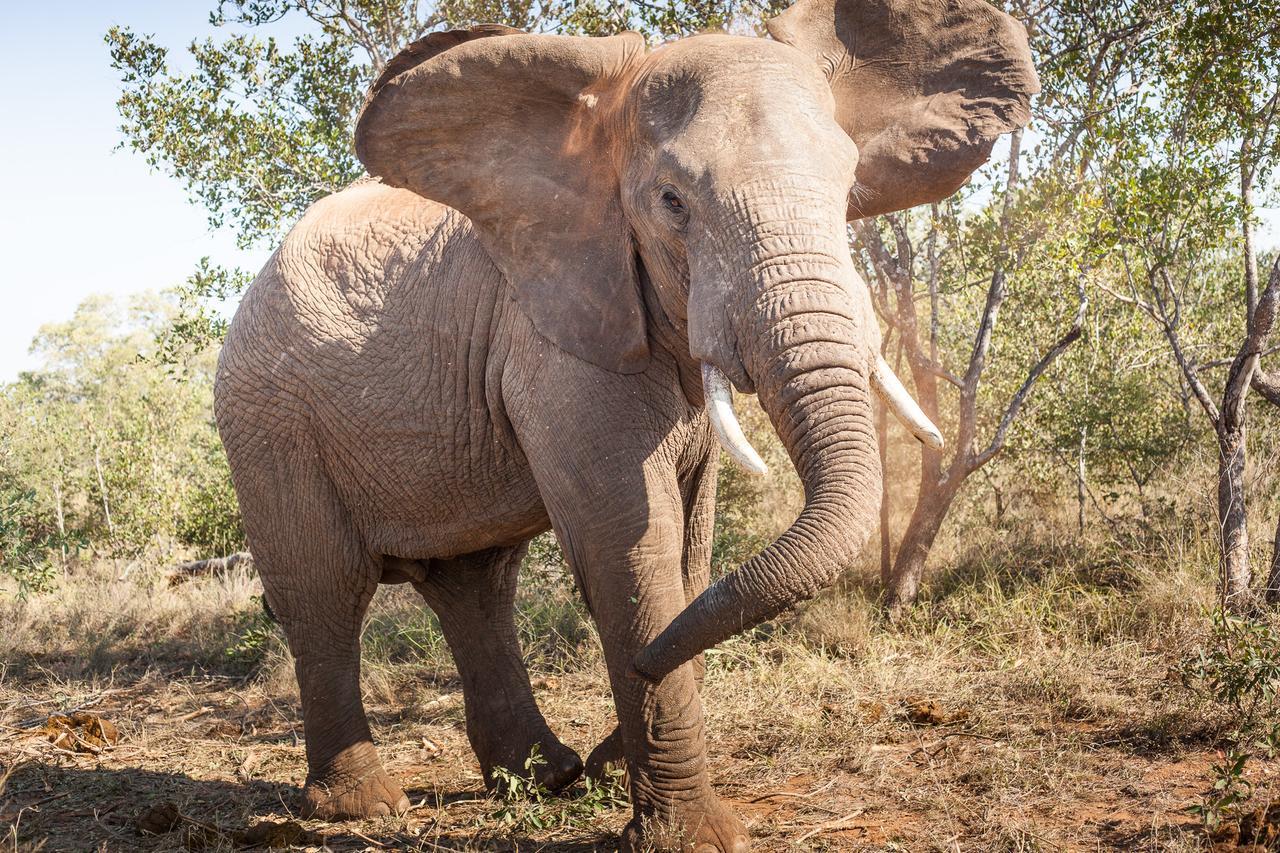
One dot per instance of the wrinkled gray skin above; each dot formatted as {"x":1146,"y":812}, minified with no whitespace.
{"x":409,"y":394}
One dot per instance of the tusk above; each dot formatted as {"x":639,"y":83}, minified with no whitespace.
{"x":719,"y":395}
{"x":907,"y":410}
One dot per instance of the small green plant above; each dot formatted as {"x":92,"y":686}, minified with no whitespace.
{"x":1230,"y":789}
{"x":1238,"y":669}
{"x":525,"y":805}
{"x":25,"y":547}
{"x":256,"y":628}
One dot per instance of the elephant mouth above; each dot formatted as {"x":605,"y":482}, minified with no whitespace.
{"x":718,"y":392}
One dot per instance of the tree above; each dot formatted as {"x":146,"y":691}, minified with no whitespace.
{"x":1009,"y":245}
{"x":1186,"y":155}
{"x":1036,"y":239}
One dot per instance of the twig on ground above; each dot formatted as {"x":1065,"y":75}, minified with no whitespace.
{"x":933,"y":749}
{"x":773,"y":794}
{"x":363,"y":837}
{"x":199,"y":712}
{"x":838,"y":823}
{"x":48,"y":799}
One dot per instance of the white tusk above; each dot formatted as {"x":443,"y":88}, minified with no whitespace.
{"x":719,"y":395}
{"x":907,"y":410}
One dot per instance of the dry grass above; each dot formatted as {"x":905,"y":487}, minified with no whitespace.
{"x":1026,"y":704}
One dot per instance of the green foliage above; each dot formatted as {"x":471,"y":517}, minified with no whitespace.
{"x":525,"y":805}
{"x":25,"y":549}
{"x":1238,"y":669}
{"x":254,"y":635}
{"x":198,"y":324}
{"x":209,"y":519}
{"x":1230,"y":790}
{"x":103,"y":451}
{"x":256,"y":133}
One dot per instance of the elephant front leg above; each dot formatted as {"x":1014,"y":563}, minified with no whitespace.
{"x":698,"y":499}
{"x":345,"y":779}
{"x":630,"y":564}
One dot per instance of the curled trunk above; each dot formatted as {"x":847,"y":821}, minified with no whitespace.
{"x":812,"y":369}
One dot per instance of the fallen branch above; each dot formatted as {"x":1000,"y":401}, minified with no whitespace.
{"x":208,"y":568}
{"x":791,"y":795}
{"x":830,"y":825}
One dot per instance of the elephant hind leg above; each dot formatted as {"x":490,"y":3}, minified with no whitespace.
{"x":318,"y":579}
{"x":474,"y":596}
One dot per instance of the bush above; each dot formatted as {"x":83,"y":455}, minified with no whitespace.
{"x":25,"y":549}
{"x":105,"y":449}
{"x":1238,"y":669}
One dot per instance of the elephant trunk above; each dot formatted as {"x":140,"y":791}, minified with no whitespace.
{"x":813,"y":367}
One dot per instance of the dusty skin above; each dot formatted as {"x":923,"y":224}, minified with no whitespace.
{"x":505,"y":332}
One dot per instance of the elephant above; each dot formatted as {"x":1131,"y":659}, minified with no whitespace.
{"x":569,"y":253}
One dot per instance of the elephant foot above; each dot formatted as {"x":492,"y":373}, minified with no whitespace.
{"x":357,"y":790}
{"x":705,"y":827}
{"x":608,"y":752}
{"x":559,"y":768}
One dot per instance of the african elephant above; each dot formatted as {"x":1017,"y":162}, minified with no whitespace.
{"x":531,"y":317}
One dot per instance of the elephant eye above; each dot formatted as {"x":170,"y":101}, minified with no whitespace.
{"x":672,"y":202}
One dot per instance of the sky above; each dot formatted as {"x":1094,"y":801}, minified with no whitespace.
{"x":78,"y":216}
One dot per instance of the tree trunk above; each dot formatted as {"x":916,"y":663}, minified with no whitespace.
{"x":62,"y":524}
{"x":903,"y":585}
{"x":1273,"y":577}
{"x":102,"y":490}
{"x":1232,"y":522}
{"x":1080,"y":481}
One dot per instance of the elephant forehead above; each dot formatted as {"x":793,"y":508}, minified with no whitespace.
{"x":729,"y":82}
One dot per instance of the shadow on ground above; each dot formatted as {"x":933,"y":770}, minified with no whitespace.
{"x":60,"y":808}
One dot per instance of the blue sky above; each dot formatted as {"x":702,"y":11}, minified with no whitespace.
{"x":80,"y":217}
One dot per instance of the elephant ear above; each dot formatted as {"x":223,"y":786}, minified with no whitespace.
{"x":513,"y":133}
{"x":924,"y":87}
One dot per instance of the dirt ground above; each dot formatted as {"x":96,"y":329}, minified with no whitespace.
{"x":229,"y":756}
{"x":1043,"y":713}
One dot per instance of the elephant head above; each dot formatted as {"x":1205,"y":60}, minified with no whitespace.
{"x":710,"y":181}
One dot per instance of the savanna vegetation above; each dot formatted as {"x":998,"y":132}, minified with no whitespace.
{"x":1063,"y":639}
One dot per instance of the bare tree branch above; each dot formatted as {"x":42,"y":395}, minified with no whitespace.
{"x":996,"y":294}
{"x":1050,"y":356}
{"x":1268,"y":385}
{"x":1223,"y":362}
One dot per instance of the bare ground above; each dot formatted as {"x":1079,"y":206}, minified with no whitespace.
{"x":1042,"y":712}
